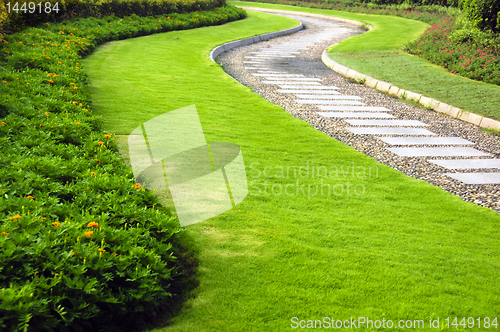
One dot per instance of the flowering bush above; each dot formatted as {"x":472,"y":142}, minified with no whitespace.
{"x":81,"y":244}
{"x":461,"y":54}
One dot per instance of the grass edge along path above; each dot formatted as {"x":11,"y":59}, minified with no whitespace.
{"x":384,"y":246}
{"x":372,"y":52}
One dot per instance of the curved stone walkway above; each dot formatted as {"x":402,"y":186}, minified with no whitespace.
{"x":447,"y":152}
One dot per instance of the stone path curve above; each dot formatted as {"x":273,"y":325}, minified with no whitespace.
{"x":447,"y":155}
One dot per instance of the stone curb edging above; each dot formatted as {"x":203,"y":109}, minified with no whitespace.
{"x":387,"y":87}
{"x":255,"y":39}
{"x":393,"y":90}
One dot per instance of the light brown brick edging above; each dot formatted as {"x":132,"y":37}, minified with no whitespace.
{"x":386,"y":86}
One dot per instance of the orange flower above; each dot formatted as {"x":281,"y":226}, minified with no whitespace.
{"x":107,"y":136}
{"x":75,"y":88}
{"x":29,"y":196}
{"x":4,"y":233}
{"x":72,"y":83}
{"x":93,"y":224}
{"x":15,"y":217}
{"x":88,"y":234}
{"x":3,"y":123}
{"x":28,"y":83}
{"x":51,"y":81}
{"x":77,"y":123}
{"x":73,"y":253}
{"x":57,"y":224}
{"x":75,"y":102}
{"x":137,"y":186}
{"x":97,"y":160}
{"x":100,"y":143}
{"x":59,"y":62}
{"x":5,"y":81}
{"x":101,"y":250}
{"x":56,"y":75}
{"x":92,"y":173}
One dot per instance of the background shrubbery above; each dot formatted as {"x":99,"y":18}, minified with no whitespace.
{"x":81,"y":245}
{"x":461,"y":48}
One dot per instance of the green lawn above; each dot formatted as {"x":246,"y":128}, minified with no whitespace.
{"x":377,"y":53}
{"x":383,"y":245}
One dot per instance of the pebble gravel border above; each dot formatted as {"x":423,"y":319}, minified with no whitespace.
{"x":309,"y":63}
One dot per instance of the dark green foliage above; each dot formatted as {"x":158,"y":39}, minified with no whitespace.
{"x":16,"y":20}
{"x":61,"y":178}
{"x":485,"y":14}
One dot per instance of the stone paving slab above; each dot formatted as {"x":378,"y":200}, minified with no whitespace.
{"x":330,"y":102}
{"x":389,"y":131}
{"x":293,"y":79}
{"x":355,"y":115}
{"x":425,"y":140}
{"x":331,"y":95}
{"x":476,"y":178}
{"x":467,"y":163}
{"x":278,"y":75}
{"x":322,"y":97}
{"x":318,"y":87}
{"x":355,"y":108}
{"x":284,"y":82}
{"x":437,"y":152}
{"x":409,"y":123}
{"x":324,"y":92}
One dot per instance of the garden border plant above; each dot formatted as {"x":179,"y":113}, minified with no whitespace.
{"x":81,"y":244}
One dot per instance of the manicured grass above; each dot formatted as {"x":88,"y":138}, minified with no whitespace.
{"x":392,"y":247}
{"x":377,"y":53}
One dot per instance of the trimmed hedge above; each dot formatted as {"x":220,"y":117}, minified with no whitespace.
{"x":81,"y":245}
{"x":68,"y":9}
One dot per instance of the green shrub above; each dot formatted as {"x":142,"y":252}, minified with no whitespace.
{"x":81,"y":245}
{"x":483,"y":13}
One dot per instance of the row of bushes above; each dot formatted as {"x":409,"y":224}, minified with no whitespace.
{"x":446,"y":3}
{"x":57,"y":10}
{"x":429,"y":14}
{"x":81,"y":245}
{"x":484,"y":14}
